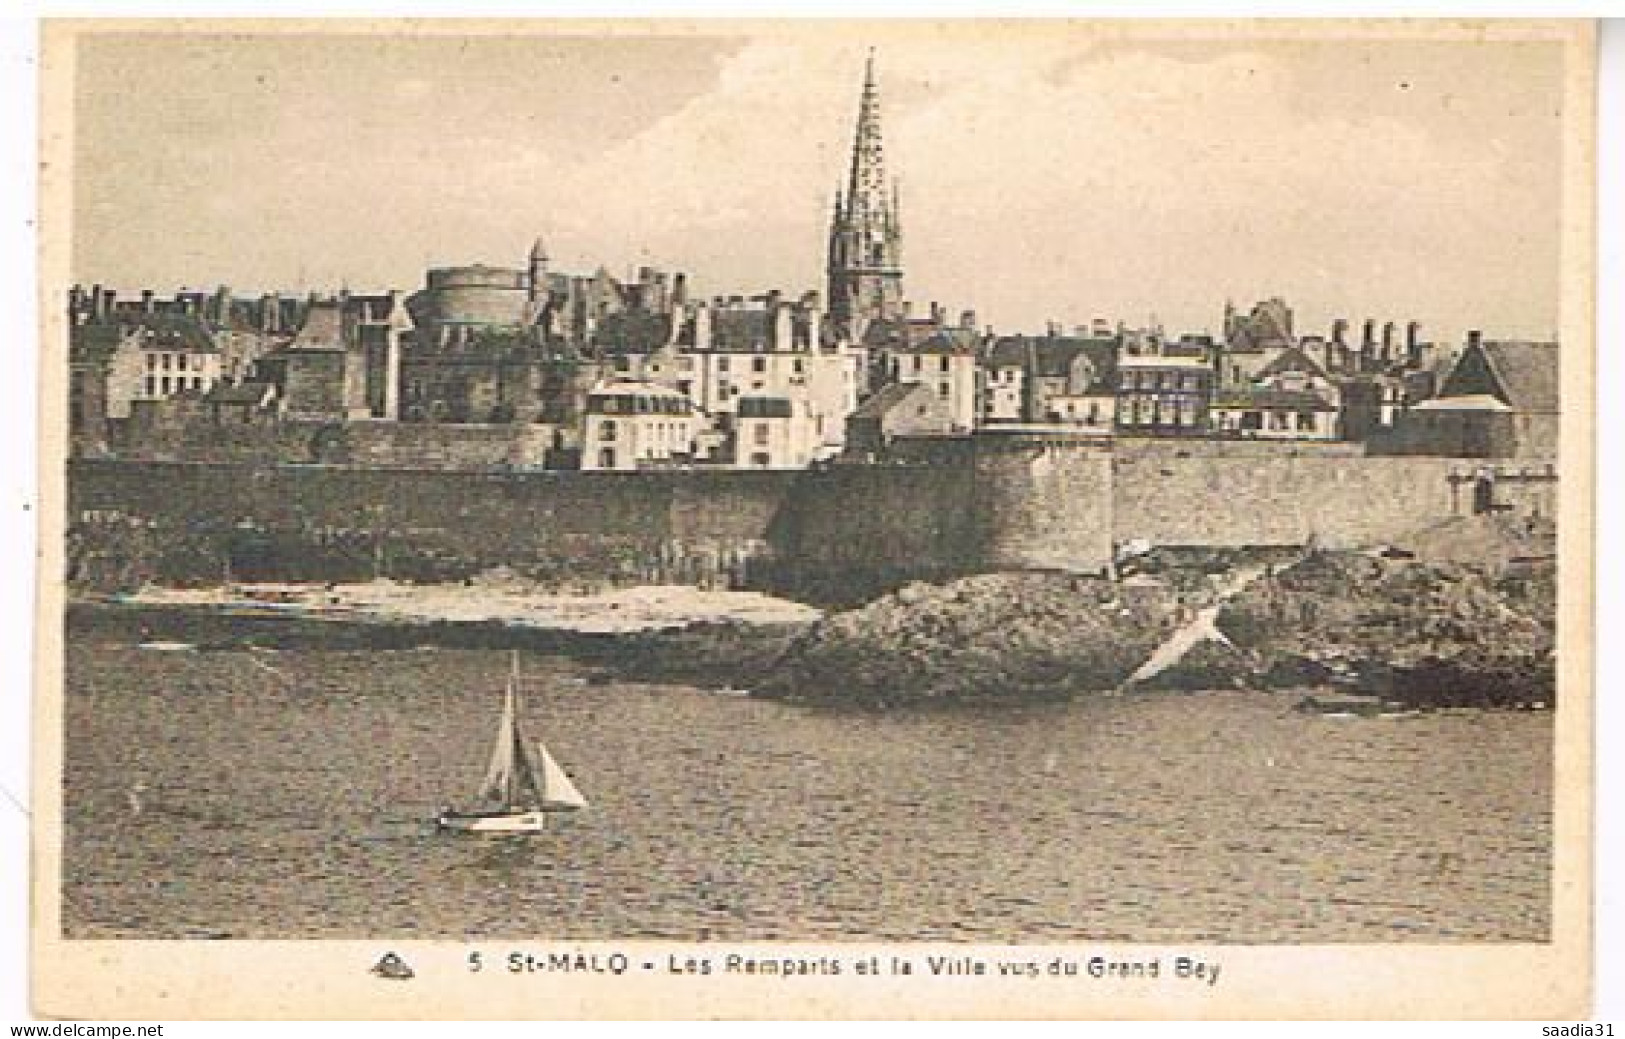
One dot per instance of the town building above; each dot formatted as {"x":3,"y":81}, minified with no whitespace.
{"x":1290,"y":398}
{"x":631,"y":424}
{"x":774,"y":433}
{"x":946,"y":362}
{"x":1498,"y":400}
{"x":901,"y":410}
{"x":144,"y":357}
{"x":1159,"y":395}
{"x":1051,"y":379}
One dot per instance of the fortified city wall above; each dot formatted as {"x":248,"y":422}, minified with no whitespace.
{"x":831,"y":535}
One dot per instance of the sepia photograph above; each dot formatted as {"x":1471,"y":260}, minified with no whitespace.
{"x":1095,"y":506}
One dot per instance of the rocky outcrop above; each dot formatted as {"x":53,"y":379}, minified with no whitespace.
{"x":993,"y":637}
{"x":1403,"y":630}
{"x":1416,"y":633}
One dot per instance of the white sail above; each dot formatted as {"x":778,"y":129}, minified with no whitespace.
{"x":557,"y":790}
{"x":514,"y":776}
{"x":498,"y":781}
{"x":523,"y":774}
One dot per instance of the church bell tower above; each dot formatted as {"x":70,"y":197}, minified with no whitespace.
{"x":865,"y":236}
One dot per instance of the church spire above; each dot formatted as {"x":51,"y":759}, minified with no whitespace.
{"x":865,"y":253}
{"x":866,"y":187}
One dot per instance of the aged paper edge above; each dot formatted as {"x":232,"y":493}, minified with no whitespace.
{"x":331,"y":979}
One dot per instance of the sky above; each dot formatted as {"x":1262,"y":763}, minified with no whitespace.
{"x":1046,"y":173}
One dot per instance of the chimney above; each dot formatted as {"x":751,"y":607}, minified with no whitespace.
{"x":702,"y":326}
{"x":1387,"y":340}
{"x":1340,"y":331}
{"x":783,"y":323}
{"x":1413,"y":341}
{"x":147,"y":304}
{"x":908,"y":308}
{"x":936,"y":313}
{"x":1368,"y":336}
{"x":967,"y":320}
{"x":679,"y":289}
{"x":1475,"y":338}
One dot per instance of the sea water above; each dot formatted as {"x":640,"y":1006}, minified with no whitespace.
{"x":254,"y":794}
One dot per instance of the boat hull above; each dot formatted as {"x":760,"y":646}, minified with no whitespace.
{"x":493,"y":822}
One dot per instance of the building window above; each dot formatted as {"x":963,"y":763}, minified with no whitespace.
{"x":943,"y":390}
{"x":606,"y":430}
{"x":761,"y":458}
{"x":167,"y":362}
{"x":606,"y":458}
{"x":758,"y":364}
{"x":943,"y":363}
{"x":152,"y":386}
{"x":152,"y":362}
{"x":180,"y":362}
{"x":798,"y":366}
{"x":164,"y":385}
{"x":761,"y":434}
{"x":722,"y":364}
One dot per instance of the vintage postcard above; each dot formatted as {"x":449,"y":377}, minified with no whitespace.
{"x":815,"y":519}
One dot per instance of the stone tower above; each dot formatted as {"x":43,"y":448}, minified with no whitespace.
{"x":865,"y":237}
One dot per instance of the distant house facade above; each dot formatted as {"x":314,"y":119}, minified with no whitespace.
{"x":904,"y":409}
{"x":633,"y":425}
{"x":1159,"y":395}
{"x":1051,"y":379}
{"x":1499,"y":400}
{"x":946,"y":362}
{"x":1290,"y":398}
{"x":774,"y":433}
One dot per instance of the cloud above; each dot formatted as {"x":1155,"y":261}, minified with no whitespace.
{"x":1043,"y":176}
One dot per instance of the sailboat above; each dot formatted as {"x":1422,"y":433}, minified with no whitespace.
{"x":522,"y":785}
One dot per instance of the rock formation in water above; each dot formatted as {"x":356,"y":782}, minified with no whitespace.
{"x":1419,"y":633}
{"x":1415,"y":633}
{"x":993,"y":637}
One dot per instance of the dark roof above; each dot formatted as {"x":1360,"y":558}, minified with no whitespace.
{"x":1292,"y":359}
{"x":878,"y":405}
{"x":764,"y":407}
{"x":633,"y":332}
{"x":1527,"y":372}
{"x":323,"y":328}
{"x":733,"y":329}
{"x":943,"y":341}
{"x":899,"y":333}
{"x":246,"y":393}
{"x":1054,"y":355}
{"x":1188,"y":346}
{"x":180,"y":331}
{"x":92,"y":342}
{"x":1258,"y":397}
